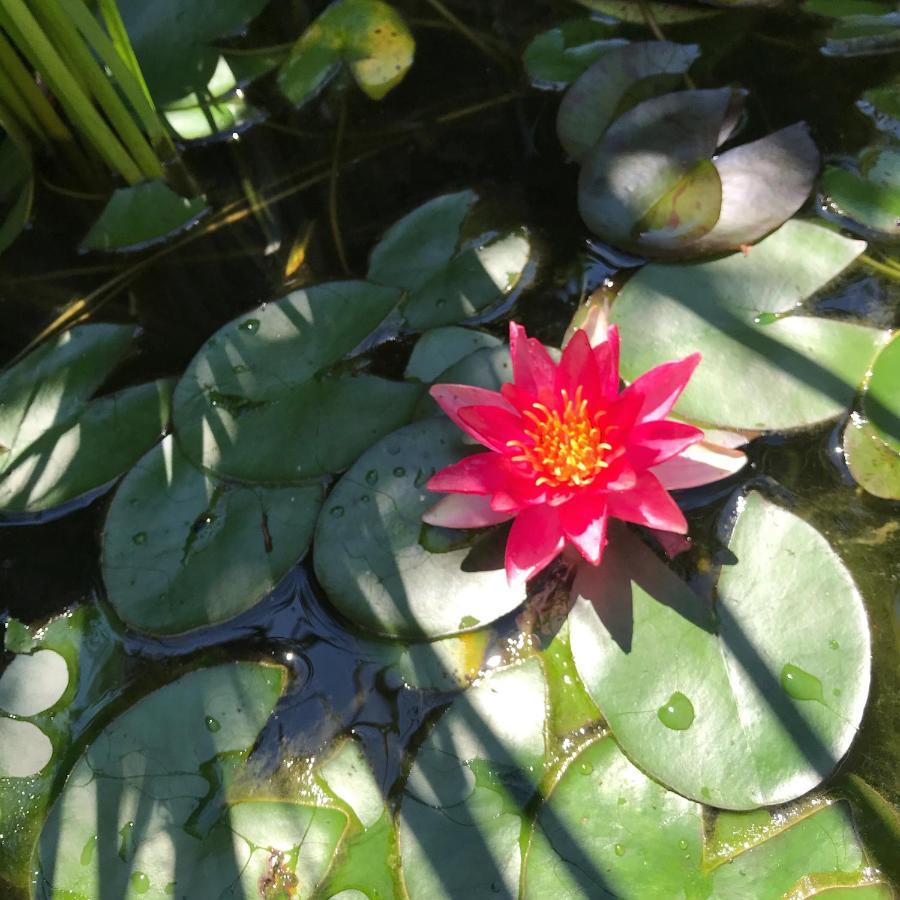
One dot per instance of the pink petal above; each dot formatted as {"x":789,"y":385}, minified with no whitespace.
{"x":584,"y":524}
{"x":533,"y":369}
{"x":647,"y":503}
{"x":673,"y":544}
{"x":463,"y":511}
{"x":453,"y":397}
{"x":496,"y":428}
{"x":578,"y":369}
{"x":536,"y":538}
{"x":651,"y":443}
{"x":481,"y":473}
{"x":700,"y":464}
{"x":662,"y":386}
{"x":607,"y":356}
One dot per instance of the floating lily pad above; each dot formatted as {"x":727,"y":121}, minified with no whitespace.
{"x":871,"y":198}
{"x":183,"y":550}
{"x":143,"y":215}
{"x":140,"y":813}
{"x":621,"y":76}
{"x":369,"y":552}
{"x":448,"y":279}
{"x":881,"y":400}
{"x":369,"y":36}
{"x":255,"y":404}
{"x":663,"y":13}
{"x":864,"y":35}
{"x":16,"y":192}
{"x":174,"y":39}
{"x":57,"y":443}
{"x":441,"y":348}
{"x":608,"y":830}
{"x":882,"y":106}
{"x":766,"y":365}
{"x":557,"y":57}
{"x":758,"y":705}
{"x":874,"y":464}
{"x":462,"y":811}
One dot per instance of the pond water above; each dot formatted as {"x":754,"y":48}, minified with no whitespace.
{"x":310,"y":191}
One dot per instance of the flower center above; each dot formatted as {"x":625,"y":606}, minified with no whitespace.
{"x":564,"y":449}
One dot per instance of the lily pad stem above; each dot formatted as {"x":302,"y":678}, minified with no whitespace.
{"x":887,"y":268}
{"x":653,"y":25}
{"x":333,"y":213}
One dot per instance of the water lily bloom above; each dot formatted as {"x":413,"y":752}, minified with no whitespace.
{"x":567,"y":450}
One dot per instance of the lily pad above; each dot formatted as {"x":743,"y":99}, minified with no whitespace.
{"x":140,"y":814}
{"x":255,"y":403}
{"x":441,"y":348}
{"x":605,"y":821}
{"x":758,"y":705}
{"x":183,"y":550}
{"x":448,"y":279}
{"x":864,"y":35}
{"x":174,"y":40}
{"x":621,"y":76}
{"x":882,"y":106}
{"x":766,"y":365}
{"x":143,"y":215}
{"x":874,"y":464}
{"x":558,"y":56}
{"x":16,"y":192}
{"x":872,"y":199}
{"x":369,"y":553}
{"x":663,"y":12}
{"x":881,"y":400}
{"x":462,"y":810}
{"x":57,"y":443}
{"x":368,"y":36}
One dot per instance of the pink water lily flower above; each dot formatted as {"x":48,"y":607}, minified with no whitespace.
{"x":567,"y":450}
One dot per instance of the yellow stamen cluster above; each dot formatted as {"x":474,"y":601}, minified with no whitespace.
{"x":563,"y":449}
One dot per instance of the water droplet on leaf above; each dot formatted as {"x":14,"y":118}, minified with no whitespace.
{"x":139,"y":538}
{"x":619,"y":849}
{"x":585,"y":768}
{"x":140,"y":883}
{"x":87,"y":852}
{"x":677,"y":712}
{"x":371,"y":476}
{"x":834,"y":645}
{"x":212,"y":724}
{"x":337,"y":511}
{"x":801,"y":685}
{"x":249,"y":325}
{"x":399,"y":471}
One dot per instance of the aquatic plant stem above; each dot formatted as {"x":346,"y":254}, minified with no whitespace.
{"x":333,"y":214}
{"x":888,"y":269}
{"x":465,"y":31}
{"x":653,"y":25}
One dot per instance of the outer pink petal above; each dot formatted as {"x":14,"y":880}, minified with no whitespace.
{"x":494,"y":427}
{"x":533,"y":369}
{"x":607,"y":356}
{"x":578,"y":369}
{"x":463,"y":511}
{"x":700,"y":464}
{"x":453,"y":397}
{"x":584,"y":524}
{"x":536,"y":538}
{"x":662,"y":386}
{"x":481,"y":473}
{"x":647,"y":503}
{"x":651,"y":443}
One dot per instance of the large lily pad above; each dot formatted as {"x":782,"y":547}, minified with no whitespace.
{"x":254,"y":403}
{"x":369,"y":36}
{"x":57,"y":443}
{"x":608,"y":830}
{"x":448,"y":274}
{"x":621,"y":77}
{"x":183,"y":550}
{"x":558,"y":56}
{"x":766,"y":365}
{"x":140,"y":813}
{"x":758,"y":704}
{"x":441,"y":348}
{"x":371,"y":551}
{"x":174,"y":39}
{"x":461,"y":815}
{"x":651,"y":186}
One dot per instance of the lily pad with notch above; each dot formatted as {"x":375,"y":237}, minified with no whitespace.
{"x":869,"y":195}
{"x":258,"y":403}
{"x":758,"y":705}
{"x":556,"y":57}
{"x":183,"y":549}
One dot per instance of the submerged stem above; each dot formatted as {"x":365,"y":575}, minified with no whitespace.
{"x":333,"y":214}
{"x":653,"y":25}
{"x":888,"y":268}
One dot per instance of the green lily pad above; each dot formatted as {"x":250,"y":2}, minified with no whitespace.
{"x":882,"y":106}
{"x":758,"y":705}
{"x":57,"y":443}
{"x":64,"y":674}
{"x":558,"y":56}
{"x":664,"y":13}
{"x":864,"y":35}
{"x":621,"y":76}
{"x":255,"y":403}
{"x":764,"y":365}
{"x":608,"y":830}
{"x":448,"y":279}
{"x":140,"y":814}
{"x":183,"y":550}
{"x":16,"y":192}
{"x":871,"y":199}
{"x":881,"y":400}
{"x":174,"y":40}
{"x":835,"y":8}
{"x":441,"y":348}
{"x":369,"y":553}
{"x":872,"y":462}
{"x":140,"y":216}
{"x":369,"y":36}
{"x":462,"y":811}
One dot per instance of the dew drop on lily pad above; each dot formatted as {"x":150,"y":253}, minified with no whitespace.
{"x":585,"y":768}
{"x":337,"y":511}
{"x":139,"y":882}
{"x":372,"y":476}
{"x":212,"y":724}
{"x":399,"y":472}
{"x":139,"y":538}
{"x":87,"y":852}
{"x":249,"y":325}
{"x":620,"y":850}
{"x":677,"y":712}
{"x":800,"y":684}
